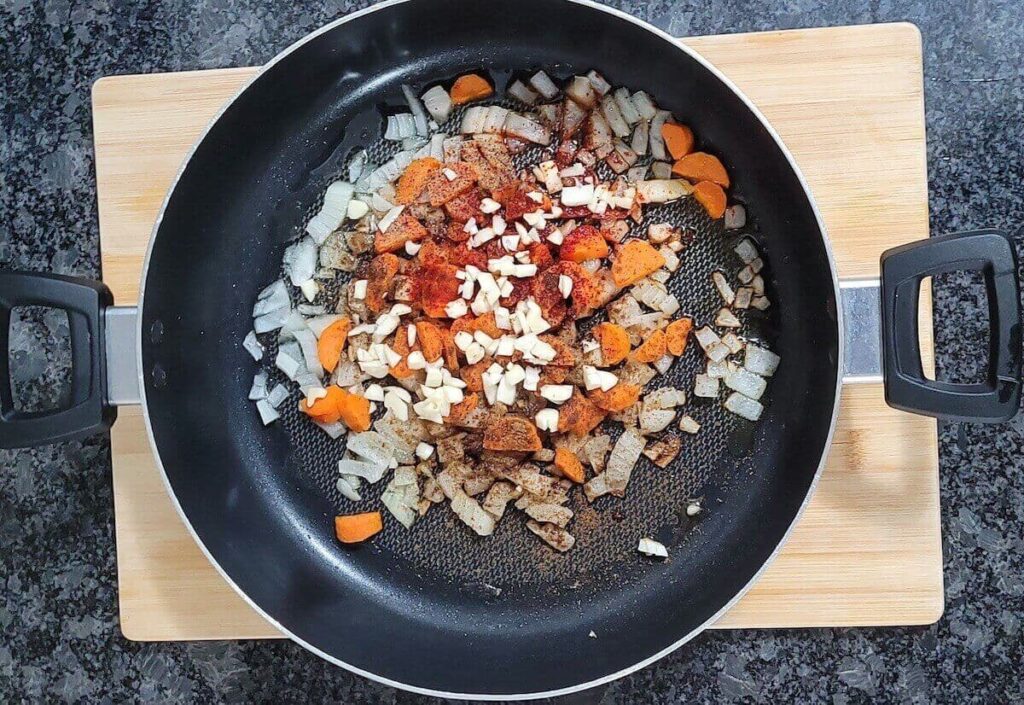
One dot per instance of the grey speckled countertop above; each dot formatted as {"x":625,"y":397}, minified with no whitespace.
{"x":58,"y":606}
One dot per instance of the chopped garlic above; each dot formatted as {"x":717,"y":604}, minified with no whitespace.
{"x":594,"y":378}
{"x":424,"y":450}
{"x":411,"y":248}
{"x":456,"y":308}
{"x":547,"y":420}
{"x":416,"y":361}
{"x":489,"y":205}
{"x":565,"y":285}
{"x":475,"y":353}
{"x":356,"y":209}
{"x":310,"y":289}
{"x":556,"y":393}
{"x":650,"y":547}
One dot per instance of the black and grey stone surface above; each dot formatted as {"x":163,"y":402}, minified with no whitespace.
{"x":58,"y":602}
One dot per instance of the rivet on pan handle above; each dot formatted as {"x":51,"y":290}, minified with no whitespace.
{"x":84,"y":301}
{"x":903,"y":268}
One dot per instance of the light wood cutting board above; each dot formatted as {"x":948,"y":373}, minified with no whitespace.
{"x":866,"y":552}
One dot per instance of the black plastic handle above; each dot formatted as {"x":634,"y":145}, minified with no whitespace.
{"x":83,"y":300}
{"x":903,"y":268}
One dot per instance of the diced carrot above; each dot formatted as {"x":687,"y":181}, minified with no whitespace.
{"x":583,"y":243}
{"x":545,"y":291}
{"x":579,"y":415}
{"x":701,"y":166}
{"x":405,"y":229}
{"x":569,"y":465}
{"x":354,"y":410}
{"x":511,"y":433}
{"x":379,"y":275}
{"x":414,"y":179}
{"x":354,"y":528}
{"x":584,"y":289}
{"x":712,"y":197}
{"x":462,"y":208}
{"x":451,"y":353}
{"x":326,"y":409}
{"x":470,"y":87}
{"x":460,"y":411}
{"x":332,"y":343}
{"x":652,"y":348}
{"x":440,"y":189}
{"x":428,"y":336}
{"x":677,"y":333}
{"x":436,"y":285}
{"x":634,"y":260}
{"x":473,"y":375}
{"x":619,"y":398}
{"x":400,"y":345}
{"x":540,"y":255}
{"x":549,"y":374}
{"x":614,"y":342}
{"x":564,"y":355}
{"x":678,"y":139}
{"x":486,"y":323}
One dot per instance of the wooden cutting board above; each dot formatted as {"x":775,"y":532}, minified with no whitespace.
{"x":849,"y":103}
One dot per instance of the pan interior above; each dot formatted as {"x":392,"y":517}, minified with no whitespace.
{"x":413,"y":604}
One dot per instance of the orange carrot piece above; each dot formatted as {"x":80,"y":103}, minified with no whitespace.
{"x":400,"y":345}
{"x":332,"y":343}
{"x":583,"y":243}
{"x":614,"y":342}
{"x":354,"y":411}
{"x":712,"y":197}
{"x":701,"y":166}
{"x":451,"y":353}
{"x":569,"y":465}
{"x":677,"y":333}
{"x":511,"y":433}
{"x":379,"y":275}
{"x":579,"y":415}
{"x":325,"y":409}
{"x":678,"y":139}
{"x":414,"y":179}
{"x":564,"y":355}
{"x":652,"y":348}
{"x":428,"y":336}
{"x":470,"y":87}
{"x":634,"y":260}
{"x":354,"y":528}
{"x":458,"y":413}
{"x":473,"y":375}
{"x":619,"y":398}
{"x":405,"y":229}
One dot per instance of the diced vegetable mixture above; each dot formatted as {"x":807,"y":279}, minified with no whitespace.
{"x":452,"y":363}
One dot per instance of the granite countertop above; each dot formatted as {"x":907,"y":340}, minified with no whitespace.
{"x":58,"y":608}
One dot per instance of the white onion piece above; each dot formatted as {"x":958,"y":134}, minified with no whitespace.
{"x":272,"y":289}
{"x":271,"y":321}
{"x":371,"y":472}
{"x":437,"y":146}
{"x":573,"y":116}
{"x":623,"y":458}
{"x":636,"y":173}
{"x":307,"y":342}
{"x":705,"y":386}
{"x":523,"y":93}
{"x":253,"y":346}
{"x":268,"y":414}
{"x":389,"y":218}
{"x":474,"y":119}
{"x":335,"y":430}
{"x":662,"y":190}
{"x":650,"y":547}
{"x":357,"y":166}
{"x":413,"y":144}
{"x":746,"y":250}
{"x":347,"y":490}
{"x":277,"y":395}
{"x":419,"y":115}
{"x":527,"y":129}
{"x":543,"y":84}
{"x":373,"y":447}
{"x":727,"y":319}
{"x":740,"y":405}
{"x":760,"y":360}
{"x":289,"y":360}
{"x":735,"y":217}
{"x":661,"y":170}
{"x":614,"y":116}
{"x":626,"y":107}
{"x":400,"y":126}
{"x":640,"y":138}
{"x":495,"y":121}
{"x":548,"y":114}
{"x":745,"y":382}
{"x":301,"y":260}
{"x":598,"y":82}
{"x":643,"y":105}
{"x":438,"y":103}
{"x":655,"y":137}
{"x":582,"y":91}
{"x":258,"y":390}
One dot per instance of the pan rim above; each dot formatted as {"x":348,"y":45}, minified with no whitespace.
{"x":674,"y":43}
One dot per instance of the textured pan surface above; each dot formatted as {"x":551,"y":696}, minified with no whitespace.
{"x":409,"y":608}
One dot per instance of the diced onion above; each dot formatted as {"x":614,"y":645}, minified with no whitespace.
{"x":527,"y":129}
{"x":640,"y":138}
{"x":643,"y":105}
{"x":655,"y":137}
{"x":543,"y":84}
{"x":626,"y":107}
{"x":760,"y":360}
{"x":438,"y":103}
{"x":268,"y":414}
{"x":745,"y":382}
{"x":523,"y":93}
{"x":474,"y":119}
{"x":582,"y":91}
{"x":419,"y":115}
{"x":740,"y":405}
{"x":650,"y":547}
{"x":598,"y":82}
{"x":614,"y":116}
{"x":253,"y":346}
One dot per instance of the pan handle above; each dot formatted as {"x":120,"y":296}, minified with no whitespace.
{"x":903,"y":268}
{"x":84,"y":301}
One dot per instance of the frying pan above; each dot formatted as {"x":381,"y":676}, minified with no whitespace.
{"x":437,"y":610}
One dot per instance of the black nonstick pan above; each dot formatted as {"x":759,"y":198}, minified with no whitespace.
{"x":438,"y":610}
